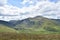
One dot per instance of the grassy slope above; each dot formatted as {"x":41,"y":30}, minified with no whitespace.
{"x":4,"y":28}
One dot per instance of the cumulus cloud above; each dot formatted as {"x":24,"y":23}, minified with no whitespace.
{"x":37,"y":7}
{"x":48,"y":9}
{"x":3,"y":2}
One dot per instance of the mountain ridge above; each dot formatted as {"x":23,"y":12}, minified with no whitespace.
{"x":36,"y":25}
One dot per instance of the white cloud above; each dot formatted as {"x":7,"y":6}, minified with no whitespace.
{"x":3,"y":2}
{"x":48,"y":8}
{"x":43,"y":7}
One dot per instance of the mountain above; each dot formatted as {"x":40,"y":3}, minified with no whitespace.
{"x":57,"y":20}
{"x":6,"y":23}
{"x":36,"y":25}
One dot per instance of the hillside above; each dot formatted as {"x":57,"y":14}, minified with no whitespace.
{"x":4,"y":28}
{"x":37,"y":25}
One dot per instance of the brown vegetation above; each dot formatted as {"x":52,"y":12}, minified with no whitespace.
{"x":15,"y":36}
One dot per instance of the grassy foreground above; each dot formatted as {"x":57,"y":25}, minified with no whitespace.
{"x":15,"y":36}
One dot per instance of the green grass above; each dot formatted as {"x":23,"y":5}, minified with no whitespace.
{"x":4,"y":28}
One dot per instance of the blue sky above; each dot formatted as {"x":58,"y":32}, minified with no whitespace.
{"x":15,"y":3}
{"x":54,"y":1}
{"x":19,"y":3}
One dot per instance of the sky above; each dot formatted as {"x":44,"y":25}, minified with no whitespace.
{"x":22,"y":9}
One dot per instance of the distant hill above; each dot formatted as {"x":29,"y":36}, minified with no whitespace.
{"x":57,"y":20}
{"x":6,"y":23}
{"x":36,"y":25}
